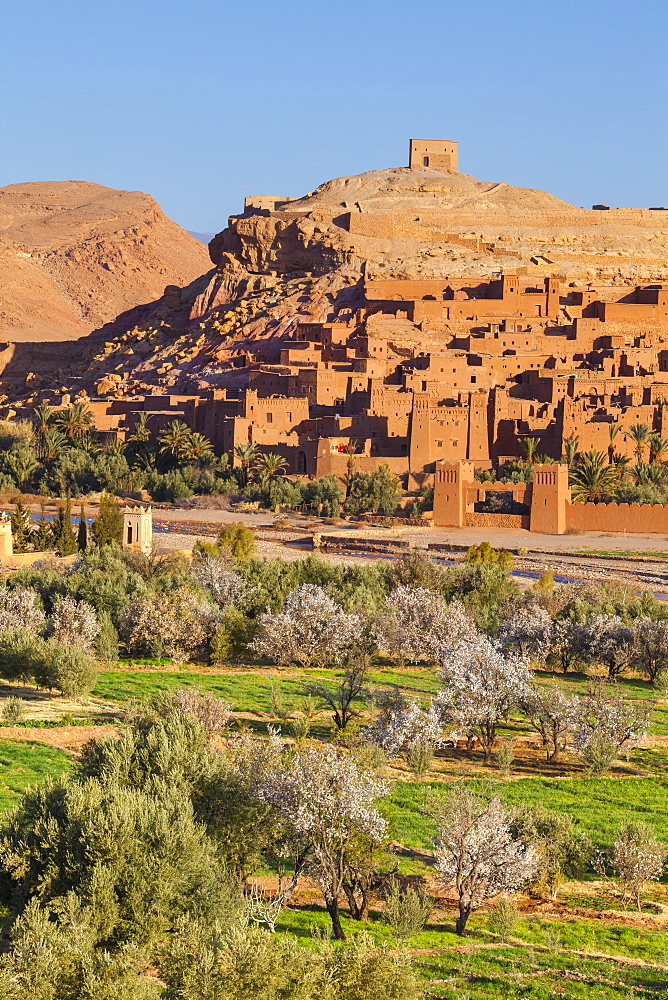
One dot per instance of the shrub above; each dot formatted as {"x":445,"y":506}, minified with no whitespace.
{"x":71,"y":671}
{"x":233,"y":636}
{"x":13,"y":711}
{"x":106,"y":641}
{"x":503,"y":917}
{"x":504,"y":757}
{"x":406,"y":912}
{"x":420,"y":757}
{"x":238,"y":540}
{"x":23,"y":655}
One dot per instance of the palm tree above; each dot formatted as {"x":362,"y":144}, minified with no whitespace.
{"x":640,"y":433}
{"x":50,"y":444}
{"x":571,"y":450}
{"x":269,"y":465}
{"x":43,"y":414}
{"x":116,"y":448}
{"x":613,"y":431}
{"x":620,"y":462}
{"x":21,"y":463}
{"x":529,"y":446}
{"x":175,"y":440}
{"x":658,"y":448}
{"x":141,"y":431}
{"x":246,"y":453}
{"x":592,"y":478}
{"x":200,"y":450}
{"x":76,"y":421}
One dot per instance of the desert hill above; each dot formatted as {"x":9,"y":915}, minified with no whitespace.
{"x":73,"y":255}
{"x":283,"y":261}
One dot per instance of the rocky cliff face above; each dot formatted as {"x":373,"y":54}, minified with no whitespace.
{"x":73,"y":255}
{"x":290,"y":261}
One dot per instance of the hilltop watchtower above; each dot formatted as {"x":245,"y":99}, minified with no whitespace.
{"x":138,"y":529}
{"x":433,"y":154}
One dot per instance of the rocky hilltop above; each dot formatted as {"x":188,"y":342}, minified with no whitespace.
{"x":285,"y":261}
{"x":74,"y":255}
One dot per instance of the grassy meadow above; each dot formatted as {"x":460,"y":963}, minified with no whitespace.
{"x":584,"y":946}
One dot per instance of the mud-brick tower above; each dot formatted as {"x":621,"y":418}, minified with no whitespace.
{"x":138,"y":529}
{"x":550,"y":496}
{"x":451,"y":482}
{"x":6,"y":541}
{"x":433,"y":154}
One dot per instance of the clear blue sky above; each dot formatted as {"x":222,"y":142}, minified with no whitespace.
{"x":199,"y":102}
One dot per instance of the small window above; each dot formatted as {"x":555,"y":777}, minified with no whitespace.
{"x":270,"y":418}
{"x":455,"y":444}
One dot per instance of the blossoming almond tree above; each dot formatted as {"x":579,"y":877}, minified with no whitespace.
{"x":311,"y":630}
{"x":326,"y":801}
{"x":401,"y":724}
{"x":638,"y":858}
{"x":417,"y":624}
{"x":19,"y":610}
{"x":606,"y":639}
{"x":481,"y":687}
{"x":225,"y":586}
{"x":528,"y":632}
{"x":552,"y":714}
{"x":608,"y":723}
{"x":74,"y":623}
{"x":476,"y":852}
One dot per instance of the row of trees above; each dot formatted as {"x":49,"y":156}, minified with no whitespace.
{"x":59,"y":534}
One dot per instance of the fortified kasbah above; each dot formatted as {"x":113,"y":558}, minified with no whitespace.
{"x":415,"y":317}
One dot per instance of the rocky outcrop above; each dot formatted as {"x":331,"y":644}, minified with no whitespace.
{"x":74,"y":255}
{"x":282,"y":262}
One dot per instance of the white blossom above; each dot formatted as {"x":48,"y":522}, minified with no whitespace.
{"x":213,"y":713}
{"x":607,"y":723}
{"x":402,"y":724}
{"x":74,"y":623}
{"x":651,"y":647}
{"x":225,"y":586}
{"x":638,"y":858}
{"x":567,"y":642}
{"x":606,"y":639}
{"x":476,"y":853}
{"x":326,"y":801}
{"x":553,"y":714}
{"x":176,"y":624}
{"x":481,"y":687}
{"x":528,"y":631}
{"x":417,"y":624}
{"x":19,"y":610}
{"x":312,"y":629}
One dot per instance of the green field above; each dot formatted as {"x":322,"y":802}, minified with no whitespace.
{"x":599,"y":805}
{"x":24,"y":764}
{"x":585,"y":950}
